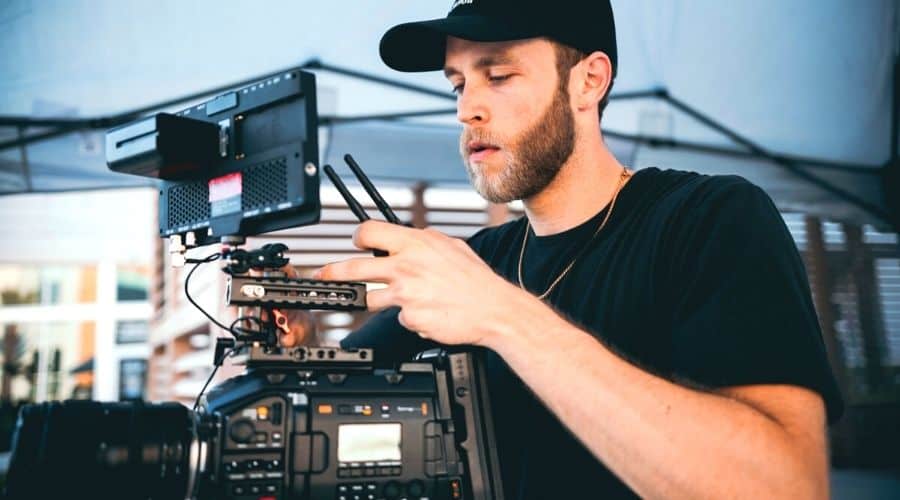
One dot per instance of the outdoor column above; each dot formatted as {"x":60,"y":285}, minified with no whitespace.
{"x":418,"y":209}
{"x":821,"y":283}
{"x":862,"y":273}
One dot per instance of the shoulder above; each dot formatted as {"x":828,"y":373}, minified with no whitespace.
{"x":693,"y":217}
{"x":694,"y":191}
{"x":679,"y":201}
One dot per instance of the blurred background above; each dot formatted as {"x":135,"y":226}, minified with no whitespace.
{"x":800,"y":97}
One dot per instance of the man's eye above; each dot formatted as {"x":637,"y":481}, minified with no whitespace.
{"x":499,"y":78}
{"x":457,"y":88}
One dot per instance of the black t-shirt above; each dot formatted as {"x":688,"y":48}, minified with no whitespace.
{"x":694,"y":278}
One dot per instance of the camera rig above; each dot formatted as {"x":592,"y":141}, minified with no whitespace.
{"x":301,"y":422}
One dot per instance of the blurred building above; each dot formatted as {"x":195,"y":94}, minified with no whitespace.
{"x":74,"y":308}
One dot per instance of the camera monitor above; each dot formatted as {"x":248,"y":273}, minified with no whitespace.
{"x":241,"y":164}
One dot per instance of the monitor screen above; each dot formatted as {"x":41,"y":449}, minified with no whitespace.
{"x":368,"y":442}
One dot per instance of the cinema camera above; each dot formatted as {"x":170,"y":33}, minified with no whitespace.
{"x":301,"y":422}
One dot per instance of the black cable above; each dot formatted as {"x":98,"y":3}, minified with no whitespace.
{"x":187,"y":293}
{"x":235,"y":330}
{"x":218,"y":363}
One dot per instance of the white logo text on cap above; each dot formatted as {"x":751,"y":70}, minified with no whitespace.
{"x":458,"y":3}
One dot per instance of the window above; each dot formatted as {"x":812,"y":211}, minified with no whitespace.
{"x":131,"y":332}
{"x":22,"y":285}
{"x":132,"y":283}
{"x":132,"y":379}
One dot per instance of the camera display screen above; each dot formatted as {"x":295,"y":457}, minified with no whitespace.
{"x":368,"y":442}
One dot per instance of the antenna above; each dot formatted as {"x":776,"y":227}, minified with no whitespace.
{"x":382,"y":205}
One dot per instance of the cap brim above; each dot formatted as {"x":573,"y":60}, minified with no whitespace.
{"x":420,"y":46}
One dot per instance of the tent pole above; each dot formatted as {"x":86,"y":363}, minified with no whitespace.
{"x":891,"y":169}
{"x":895,"y":126}
{"x":331,"y":120}
{"x":316,"y":64}
{"x":26,"y":168}
{"x":67,"y":125}
{"x":780,"y":161}
{"x":656,"y":141}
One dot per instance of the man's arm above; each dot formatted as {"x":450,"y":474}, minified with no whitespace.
{"x":660,"y":438}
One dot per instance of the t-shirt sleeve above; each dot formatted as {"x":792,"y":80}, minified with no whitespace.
{"x":394,"y":343}
{"x":742,"y":310}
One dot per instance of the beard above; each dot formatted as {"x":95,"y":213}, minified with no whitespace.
{"x":531,"y":160}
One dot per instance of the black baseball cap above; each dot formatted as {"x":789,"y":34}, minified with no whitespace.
{"x":586,"y":25}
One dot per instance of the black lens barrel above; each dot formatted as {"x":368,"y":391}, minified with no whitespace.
{"x":89,"y":449}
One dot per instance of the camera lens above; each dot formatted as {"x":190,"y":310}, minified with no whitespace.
{"x":88,"y":449}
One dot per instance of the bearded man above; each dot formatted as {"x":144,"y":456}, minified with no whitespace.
{"x":649,"y":333}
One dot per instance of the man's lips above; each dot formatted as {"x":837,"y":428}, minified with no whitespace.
{"x":480,"y":150}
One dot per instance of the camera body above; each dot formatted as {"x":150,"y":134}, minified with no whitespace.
{"x":336,"y":427}
{"x":301,"y":423}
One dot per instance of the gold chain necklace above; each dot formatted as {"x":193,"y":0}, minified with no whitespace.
{"x":612,"y":204}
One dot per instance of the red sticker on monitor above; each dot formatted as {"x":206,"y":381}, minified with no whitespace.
{"x":224,"y":187}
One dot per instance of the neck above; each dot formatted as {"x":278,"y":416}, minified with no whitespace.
{"x":583,"y":186}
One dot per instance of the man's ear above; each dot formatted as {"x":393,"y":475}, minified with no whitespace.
{"x":592,"y":76}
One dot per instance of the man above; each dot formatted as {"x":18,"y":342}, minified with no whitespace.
{"x":649,"y":334}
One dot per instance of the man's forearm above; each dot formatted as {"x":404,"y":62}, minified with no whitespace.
{"x":660,"y":438}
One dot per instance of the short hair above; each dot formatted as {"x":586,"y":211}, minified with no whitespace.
{"x":566,"y":58}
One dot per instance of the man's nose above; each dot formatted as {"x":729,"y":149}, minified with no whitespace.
{"x":472,"y":105}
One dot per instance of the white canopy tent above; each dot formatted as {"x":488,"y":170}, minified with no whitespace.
{"x":796,"y":96}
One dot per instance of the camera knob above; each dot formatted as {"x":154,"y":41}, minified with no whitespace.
{"x":242,"y":431}
{"x":415,"y":488}
{"x":391,"y":490}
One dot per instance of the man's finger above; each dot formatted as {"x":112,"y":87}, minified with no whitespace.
{"x":287,"y":339}
{"x":377,"y":300}
{"x":379,"y":270}
{"x":375,"y":234}
{"x":290,"y":271}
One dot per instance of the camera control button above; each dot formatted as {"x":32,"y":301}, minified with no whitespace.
{"x":391,"y":490}
{"x":242,"y":431}
{"x":415,"y":488}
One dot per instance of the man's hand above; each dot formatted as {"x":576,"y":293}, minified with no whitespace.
{"x":301,"y":323}
{"x":445,"y":291}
